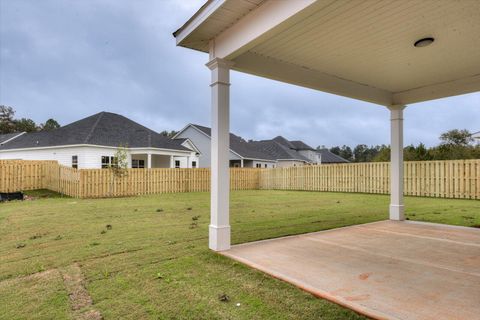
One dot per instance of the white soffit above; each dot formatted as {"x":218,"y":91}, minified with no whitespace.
{"x":359,"y":49}
{"x":214,"y":17}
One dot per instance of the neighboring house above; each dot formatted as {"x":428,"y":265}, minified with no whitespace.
{"x":93,"y":141}
{"x":280,"y":149}
{"x":328,"y":157}
{"x":261,"y":154}
{"x":296,"y":153}
{"x":241,"y":153}
{"x":476,"y":136}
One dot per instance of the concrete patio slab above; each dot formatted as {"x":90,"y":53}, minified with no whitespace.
{"x":385,"y":270}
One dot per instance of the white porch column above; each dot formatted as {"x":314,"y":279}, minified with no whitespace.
{"x":188,"y":162}
{"x":219,"y":230}
{"x":172,"y":162}
{"x":396,"y":163}
{"x":241,"y":163}
{"x":149,"y":160}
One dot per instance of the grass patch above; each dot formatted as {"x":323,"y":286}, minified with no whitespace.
{"x":142,"y":264}
{"x":44,"y":193}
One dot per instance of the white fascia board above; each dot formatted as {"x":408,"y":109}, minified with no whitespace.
{"x":267,"y":20}
{"x":437,"y":91}
{"x":206,"y":135}
{"x":200,"y":17}
{"x":14,"y":137}
{"x":289,"y":73}
{"x":192,"y":145}
{"x":181,"y":131}
{"x":93,"y":146}
{"x":263,"y":160}
{"x":298,"y":160}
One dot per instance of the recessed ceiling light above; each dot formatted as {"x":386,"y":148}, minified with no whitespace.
{"x":424,"y":42}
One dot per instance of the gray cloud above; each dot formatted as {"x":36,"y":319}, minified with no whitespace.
{"x":70,"y":59}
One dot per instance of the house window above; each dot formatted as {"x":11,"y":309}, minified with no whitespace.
{"x":265,"y":165}
{"x":108,"y":162}
{"x":177,"y":163}
{"x":138,"y":164}
{"x":75,"y":162}
{"x":258,"y":165}
{"x":194,"y":164}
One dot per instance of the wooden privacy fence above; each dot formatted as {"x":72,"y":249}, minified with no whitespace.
{"x":98,"y":183}
{"x":18,"y":175}
{"x":445,"y":179}
{"x":104,"y":183}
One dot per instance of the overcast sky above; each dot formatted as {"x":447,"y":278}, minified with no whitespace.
{"x":70,"y":59}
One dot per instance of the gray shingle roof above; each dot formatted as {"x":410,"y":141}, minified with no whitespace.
{"x":103,"y":129}
{"x":240,"y":146}
{"x":278,"y":151}
{"x":278,"y":148}
{"x":7,"y":136}
{"x":329,"y":157}
{"x":284,"y":142}
{"x":300,"y":145}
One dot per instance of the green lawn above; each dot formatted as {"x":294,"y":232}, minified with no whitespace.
{"x":153,"y":263}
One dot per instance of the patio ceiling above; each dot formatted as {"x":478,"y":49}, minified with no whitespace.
{"x":359,"y":49}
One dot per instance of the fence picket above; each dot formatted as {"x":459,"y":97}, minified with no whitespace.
{"x":445,"y":179}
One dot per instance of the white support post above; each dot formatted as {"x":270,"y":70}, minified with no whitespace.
{"x":149,"y":160}
{"x":188,"y":162}
{"x":396,"y":163}
{"x":219,"y":230}
{"x":241,"y":163}
{"x":172,"y":162}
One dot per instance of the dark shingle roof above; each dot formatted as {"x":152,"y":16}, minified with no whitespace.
{"x":300,"y":145}
{"x":7,"y":136}
{"x":284,"y":142}
{"x":103,"y":129}
{"x":240,"y":146}
{"x":329,"y":157}
{"x":277,"y":150}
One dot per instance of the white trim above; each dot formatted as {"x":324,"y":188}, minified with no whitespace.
{"x":293,"y":160}
{"x":192,"y":144}
{"x":206,"y":135}
{"x":290,"y":73}
{"x":266,"y":21}
{"x":14,"y":137}
{"x":93,"y":146}
{"x":439,"y":90}
{"x":200,"y":16}
{"x":255,"y":159}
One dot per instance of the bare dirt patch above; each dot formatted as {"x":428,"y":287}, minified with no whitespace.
{"x":80,"y":300}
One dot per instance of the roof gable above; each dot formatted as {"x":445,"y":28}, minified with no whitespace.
{"x":329,"y":157}
{"x":102,"y":129}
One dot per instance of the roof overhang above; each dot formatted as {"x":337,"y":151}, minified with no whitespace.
{"x":358,"y":49}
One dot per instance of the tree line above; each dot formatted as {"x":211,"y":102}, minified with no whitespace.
{"x":454,"y":144}
{"x":8,"y":123}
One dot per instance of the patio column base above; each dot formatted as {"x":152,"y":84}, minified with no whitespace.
{"x":219,"y":238}
{"x":397,"y":212}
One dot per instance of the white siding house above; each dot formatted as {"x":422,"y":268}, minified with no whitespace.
{"x":277,"y":152}
{"x":91,"y":143}
{"x":241,"y":153}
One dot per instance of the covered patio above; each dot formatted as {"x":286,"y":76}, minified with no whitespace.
{"x":391,"y":53}
{"x":385,"y":270}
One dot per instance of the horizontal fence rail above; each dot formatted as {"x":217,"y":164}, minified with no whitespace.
{"x":100,"y":183}
{"x":443,"y":179}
